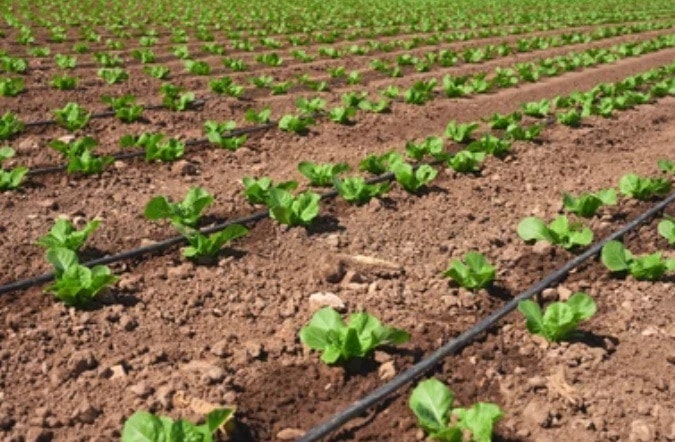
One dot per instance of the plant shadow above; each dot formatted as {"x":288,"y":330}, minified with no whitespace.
{"x":324,"y":224}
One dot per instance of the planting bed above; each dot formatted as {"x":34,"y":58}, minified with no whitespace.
{"x":179,"y":338}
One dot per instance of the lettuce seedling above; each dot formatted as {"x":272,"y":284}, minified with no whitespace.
{"x":75,"y":284}
{"x":226,"y":86}
{"x":667,"y":166}
{"x":466,"y":161}
{"x":354,"y":99}
{"x":666,"y":229}
{"x":10,"y":179}
{"x":499,"y":121}
{"x":80,"y":156}
{"x":64,"y":235}
{"x":587,"y":204}
{"x":420,"y":92}
{"x":208,"y":247}
{"x":292,"y":210}
{"x":197,"y":67}
{"x":560,"y":319}
{"x":412,"y":179}
{"x":146,"y":427}
{"x":11,"y":87}
{"x":537,"y":109}
{"x":650,"y":267}
{"x":321,"y":175}
{"x":184,"y":213}
{"x":456,"y":86}
{"x":258,"y":117}
{"x":643,"y":188}
{"x":281,"y":88}
{"x":65,"y":61}
{"x":310,"y":106}
{"x":175,"y":98}
{"x":327,"y":332}
{"x":125,"y":107}
{"x":559,"y":232}
{"x":342,"y":115}
{"x":216,"y":133}
{"x":257,"y":190}
{"x":390,"y":92}
{"x":517,"y":132}
{"x":299,"y":125}
{"x":72,"y":117}
{"x":113,"y":75}
{"x":460,"y":133}
{"x":431,"y":402}
{"x":489,"y":144}
{"x":10,"y":125}
{"x":159,"y":72}
{"x":355,"y":190}
{"x":379,"y":164}
{"x":378,"y":107}
{"x":432,"y":146}
{"x":64,"y":82}
{"x":475,"y":272}
{"x":170,"y":150}
{"x":570,"y":118}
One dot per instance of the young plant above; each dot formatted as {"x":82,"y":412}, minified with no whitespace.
{"x":145,"y":56}
{"x":432,"y":146}
{"x":475,"y":272}
{"x":159,"y":72}
{"x":64,"y":235}
{"x":520,"y":133}
{"x":587,"y":204}
{"x":413,"y":179}
{"x":216,"y":133}
{"x":379,"y":106}
{"x":170,"y":150}
{"x":491,"y":145}
{"x":559,"y":232}
{"x":420,"y":92}
{"x":431,"y":402}
{"x":667,"y":166}
{"x":72,"y":117}
{"x":560,"y":320}
{"x":146,"y":427}
{"x":292,"y":123}
{"x":64,"y":82}
{"x":460,"y":133}
{"x":184,"y":213}
{"x":226,"y":86}
{"x":113,"y":75}
{"x":537,"y":109}
{"x":466,"y":161}
{"x":570,"y":118}
{"x":342,"y":115}
{"x":258,"y":117}
{"x":310,"y":106}
{"x":321,"y":175}
{"x":10,"y":179}
{"x":666,"y":229}
{"x":11,"y":87}
{"x":75,"y":284}
{"x":197,"y":67}
{"x":257,"y":191}
{"x":80,"y":156}
{"x":292,"y":210}
{"x":650,"y":267}
{"x":271,"y":59}
{"x":65,"y":61}
{"x":175,"y":98}
{"x":125,"y":107}
{"x":208,"y":247}
{"x":643,"y":188}
{"x":379,"y":164}
{"x":10,"y":125}
{"x":328,"y":333}
{"x":499,"y":121}
{"x":355,"y":190}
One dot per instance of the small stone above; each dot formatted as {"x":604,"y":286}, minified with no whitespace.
{"x":290,"y":434}
{"x":141,"y":389}
{"x":215,"y":375}
{"x":221,"y":348}
{"x":180,"y":272}
{"x":37,"y":434}
{"x":550,"y":295}
{"x":387,"y":371}
{"x":165,"y":396}
{"x":253,"y":349}
{"x":536,"y":382}
{"x":128,"y":323}
{"x":85,"y":413}
{"x":330,"y":269}
{"x":184,"y":167}
{"x":542,"y":248}
{"x":81,"y":361}
{"x":640,"y":431}
{"x":117,"y":372}
{"x":564,"y":293}
{"x":49,"y":204}
{"x":537,"y":413}
{"x":326,"y":299}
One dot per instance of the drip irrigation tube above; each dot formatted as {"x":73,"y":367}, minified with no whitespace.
{"x":461,"y":341}
{"x":170,"y":242}
{"x":453,"y":346}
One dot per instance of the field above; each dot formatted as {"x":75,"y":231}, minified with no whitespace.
{"x":215,"y":175}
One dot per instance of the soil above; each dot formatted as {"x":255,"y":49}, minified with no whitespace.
{"x":177,"y":338}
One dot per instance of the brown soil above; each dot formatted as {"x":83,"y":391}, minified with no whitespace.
{"x":171,"y":331}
